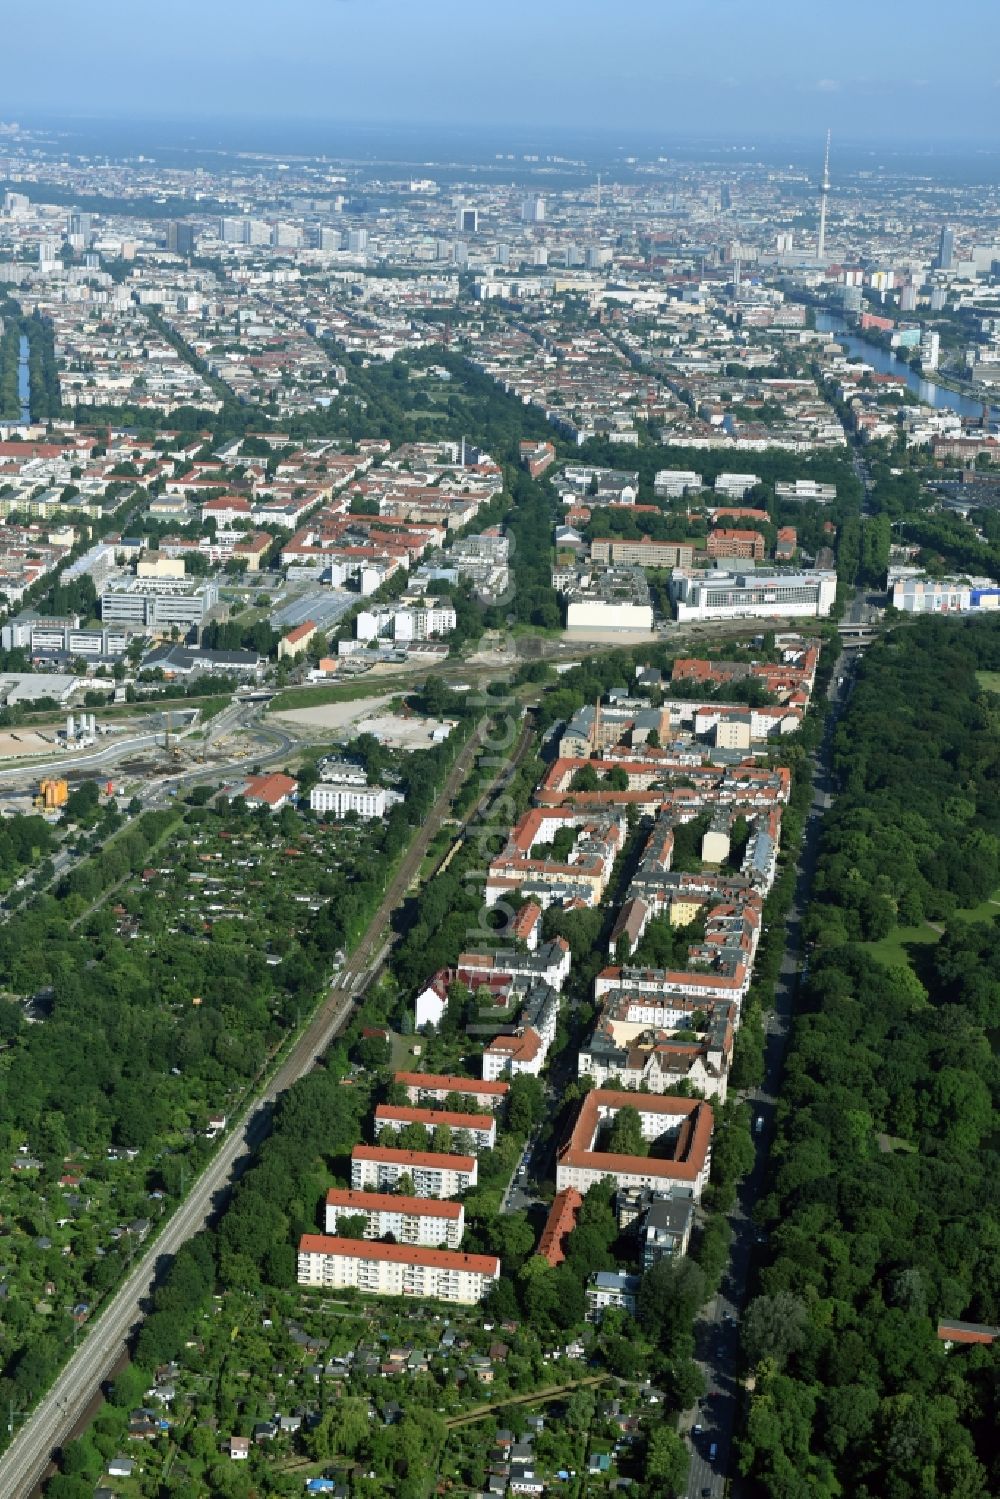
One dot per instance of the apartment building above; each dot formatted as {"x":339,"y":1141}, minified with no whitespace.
{"x":481,"y":1128}
{"x":378,"y":1168}
{"x":644,"y":553}
{"x":331,"y":799}
{"x":410,"y":1220}
{"x":430,"y":1087}
{"x":682,"y":1125}
{"x":395,"y":1269}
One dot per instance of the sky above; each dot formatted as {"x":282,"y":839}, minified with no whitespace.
{"x":906,"y":71}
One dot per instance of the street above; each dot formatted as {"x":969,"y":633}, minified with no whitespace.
{"x":713,"y":1421}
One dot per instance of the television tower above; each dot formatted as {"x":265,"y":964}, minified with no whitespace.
{"x":824,"y":189}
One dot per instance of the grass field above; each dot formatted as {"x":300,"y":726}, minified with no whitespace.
{"x":895,"y":948}
{"x":345,"y":692}
{"x":989,"y":681}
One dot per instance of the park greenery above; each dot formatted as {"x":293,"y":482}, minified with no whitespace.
{"x":881,"y":1210}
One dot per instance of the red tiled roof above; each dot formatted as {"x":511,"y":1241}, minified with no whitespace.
{"x":399,"y":1254}
{"x":410,"y":1115}
{"x":450,"y":1084}
{"x":390,"y":1202}
{"x":271,"y":788}
{"x":562,"y":1218}
{"x":420,"y":1158}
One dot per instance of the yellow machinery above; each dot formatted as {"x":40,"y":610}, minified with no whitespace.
{"x":52,"y":793}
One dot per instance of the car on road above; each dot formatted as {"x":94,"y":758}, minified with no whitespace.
{"x":713,"y":1452}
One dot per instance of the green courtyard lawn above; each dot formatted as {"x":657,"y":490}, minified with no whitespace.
{"x":898,"y":946}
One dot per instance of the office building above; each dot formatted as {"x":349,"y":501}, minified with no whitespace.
{"x":180,"y":237}
{"x":158,"y":603}
{"x":467,"y":219}
{"x":233,"y":231}
{"x":759,"y":594}
{"x":946,"y":248}
{"x":533,"y":211}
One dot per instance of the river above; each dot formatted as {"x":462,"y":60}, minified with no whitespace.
{"x":23,"y":381}
{"x":887,"y":363}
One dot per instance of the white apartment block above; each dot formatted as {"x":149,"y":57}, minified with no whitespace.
{"x":395,"y":1269}
{"x":432,"y":1175}
{"x":333,"y":800}
{"x":410,"y":1220}
{"x":431,"y":1087}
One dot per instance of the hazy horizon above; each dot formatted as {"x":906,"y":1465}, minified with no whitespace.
{"x":884,"y":75}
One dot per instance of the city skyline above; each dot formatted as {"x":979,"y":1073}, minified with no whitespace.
{"x":711,"y":68}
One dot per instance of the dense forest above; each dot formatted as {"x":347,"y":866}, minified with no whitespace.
{"x":882,"y":1206}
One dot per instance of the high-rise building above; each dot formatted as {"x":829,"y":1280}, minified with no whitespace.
{"x":233,"y":231}
{"x":357,"y":241}
{"x":48,"y":249}
{"x":930,"y":349}
{"x":533,"y":211}
{"x":946,"y":248}
{"x":467,"y":219}
{"x":258,"y":232}
{"x":725,"y":197}
{"x":180,"y":237}
{"x":80,"y":223}
{"x":850,"y":296}
{"x":908,"y":298}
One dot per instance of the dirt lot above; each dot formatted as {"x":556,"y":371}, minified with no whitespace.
{"x":15,"y":743}
{"x":344,"y":720}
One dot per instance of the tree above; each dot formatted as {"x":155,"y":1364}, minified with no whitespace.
{"x":670,"y":1295}
{"x":774,"y":1327}
{"x":525,"y":1103}
{"x":352,"y":1226}
{"x":665,"y":1466}
{"x":625,"y":1135}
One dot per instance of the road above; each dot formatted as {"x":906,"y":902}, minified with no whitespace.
{"x":24,"y":1464}
{"x":717,"y":1330}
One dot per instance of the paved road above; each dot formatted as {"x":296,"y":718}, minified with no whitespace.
{"x":26,"y":1460}
{"x":717,"y":1331}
